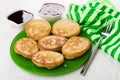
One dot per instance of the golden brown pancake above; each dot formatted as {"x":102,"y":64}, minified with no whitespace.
{"x":37,"y":28}
{"x":66,"y":27}
{"x":47,"y":59}
{"x":52,"y":42}
{"x":75,"y":47}
{"x":26,"y":47}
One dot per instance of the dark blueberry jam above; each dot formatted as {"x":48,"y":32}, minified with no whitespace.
{"x":20,"y":16}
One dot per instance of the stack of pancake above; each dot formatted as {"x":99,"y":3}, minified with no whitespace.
{"x":47,"y":46}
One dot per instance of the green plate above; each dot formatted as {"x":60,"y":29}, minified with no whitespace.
{"x":26,"y":64}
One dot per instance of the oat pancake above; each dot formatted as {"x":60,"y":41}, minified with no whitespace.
{"x":47,"y":59}
{"x":37,"y":28}
{"x":52,"y":42}
{"x":66,"y":27}
{"x":75,"y":47}
{"x":26,"y":47}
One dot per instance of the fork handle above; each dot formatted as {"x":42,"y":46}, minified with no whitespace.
{"x":89,"y":61}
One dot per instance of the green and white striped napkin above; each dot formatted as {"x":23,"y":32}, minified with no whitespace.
{"x":92,"y":17}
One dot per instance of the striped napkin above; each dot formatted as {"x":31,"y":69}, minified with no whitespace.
{"x":92,"y":17}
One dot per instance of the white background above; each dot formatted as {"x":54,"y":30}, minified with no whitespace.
{"x":103,"y":67}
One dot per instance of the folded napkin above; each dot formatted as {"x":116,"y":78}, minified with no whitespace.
{"x":92,"y":17}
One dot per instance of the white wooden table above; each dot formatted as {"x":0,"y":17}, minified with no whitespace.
{"x":102,"y":68}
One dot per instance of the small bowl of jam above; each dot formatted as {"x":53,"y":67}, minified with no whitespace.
{"x":20,"y":17}
{"x":51,"y":11}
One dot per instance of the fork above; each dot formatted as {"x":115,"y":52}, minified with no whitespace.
{"x":106,"y":31}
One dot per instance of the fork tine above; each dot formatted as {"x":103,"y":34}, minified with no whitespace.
{"x":110,"y":25}
{"x":110,"y":28}
{"x":105,"y":26}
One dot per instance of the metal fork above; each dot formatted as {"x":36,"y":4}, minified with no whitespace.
{"x":106,"y":31}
